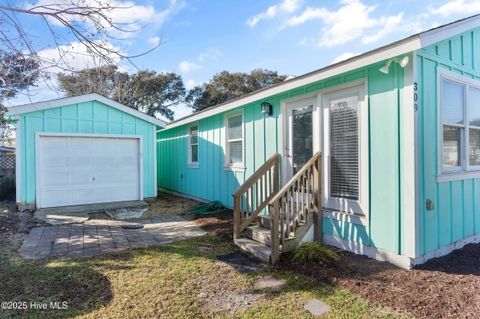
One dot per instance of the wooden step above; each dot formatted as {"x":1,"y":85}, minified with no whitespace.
{"x":260,"y":234}
{"x":263,"y":235}
{"x":254,"y":248}
{"x":266,"y":221}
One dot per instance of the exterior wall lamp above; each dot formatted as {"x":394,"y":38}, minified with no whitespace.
{"x":403,"y":63}
{"x":267,"y":108}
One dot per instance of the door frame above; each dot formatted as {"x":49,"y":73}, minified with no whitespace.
{"x":287,"y":106}
{"x":319,"y":129}
{"x":38,"y":135}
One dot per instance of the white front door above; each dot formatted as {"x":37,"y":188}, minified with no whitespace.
{"x":300,"y":140}
{"x":77,"y":170}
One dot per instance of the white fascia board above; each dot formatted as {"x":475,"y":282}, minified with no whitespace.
{"x":433,"y":36}
{"x":38,"y":106}
{"x":393,"y":50}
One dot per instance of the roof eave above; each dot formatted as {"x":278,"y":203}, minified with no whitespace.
{"x":43,"y":105}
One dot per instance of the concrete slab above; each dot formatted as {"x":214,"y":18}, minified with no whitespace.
{"x":126,"y":213}
{"x":80,"y":213}
{"x":317,"y":307}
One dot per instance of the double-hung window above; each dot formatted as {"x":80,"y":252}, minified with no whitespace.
{"x":234,"y":140}
{"x":193,"y":145}
{"x":460,"y":124}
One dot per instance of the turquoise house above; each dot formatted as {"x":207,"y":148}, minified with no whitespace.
{"x":70,"y":151}
{"x":398,"y":133}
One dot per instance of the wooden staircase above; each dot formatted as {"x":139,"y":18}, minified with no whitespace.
{"x":269,"y":221}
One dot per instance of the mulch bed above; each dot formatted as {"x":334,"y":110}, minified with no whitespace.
{"x":434,"y":290}
{"x":447,"y":287}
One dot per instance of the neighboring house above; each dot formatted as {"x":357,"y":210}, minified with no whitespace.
{"x":399,"y":133}
{"x":83,"y":150}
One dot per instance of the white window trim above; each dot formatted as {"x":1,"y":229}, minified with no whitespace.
{"x":234,"y":166}
{"x":189,"y":149}
{"x":360,"y":206}
{"x":465,"y":171}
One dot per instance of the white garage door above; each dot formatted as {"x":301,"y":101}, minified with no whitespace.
{"x":75,"y":170}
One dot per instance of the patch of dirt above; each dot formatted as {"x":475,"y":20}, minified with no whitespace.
{"x":166,"y":204}
{"x":446,"y":287}
{"x":15,"y":224}
{"x":226,"y":294}
{"x":219,"y":225}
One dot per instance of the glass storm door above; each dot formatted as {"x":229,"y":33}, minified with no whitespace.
{"x":299,"y":142}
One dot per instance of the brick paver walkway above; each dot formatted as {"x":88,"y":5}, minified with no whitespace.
{"x":79,"y":240}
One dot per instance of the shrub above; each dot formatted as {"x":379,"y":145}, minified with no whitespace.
{"x":315,"y":252}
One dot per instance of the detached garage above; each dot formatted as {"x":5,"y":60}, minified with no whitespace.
{"x":84,"y":150}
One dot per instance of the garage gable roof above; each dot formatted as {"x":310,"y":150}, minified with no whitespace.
{"x":404,"y":46}
{"x":44,"y":105}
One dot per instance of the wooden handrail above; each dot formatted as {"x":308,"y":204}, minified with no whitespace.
{"x":254,"y":194}
{"x":291,"y":206}
{"x":292,"y":181}
{"x":254,"y":178}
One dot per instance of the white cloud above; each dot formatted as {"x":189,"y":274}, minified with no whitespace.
{"x":211,"y":54}
{"x":190,"y":84}
{"x":344,"y":56}
{"x":188,"y":66}
{"x":75,"y":56}
{"x":284,"y":7}
{"x":154,"y":41}
{"x":388,"y":25}
{"x":351,"y":21}
{"x":456,"y":7}
{"x":125,"y":14}
{"x":181,"y":110}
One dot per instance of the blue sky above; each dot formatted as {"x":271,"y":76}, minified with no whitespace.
{"x":202,"y":37}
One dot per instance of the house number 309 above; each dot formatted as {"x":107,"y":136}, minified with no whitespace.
{"x":415,"y":96}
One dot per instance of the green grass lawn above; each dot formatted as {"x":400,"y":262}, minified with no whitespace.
{"x":163,"y":282}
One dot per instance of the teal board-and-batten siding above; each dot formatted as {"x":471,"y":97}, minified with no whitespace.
{"x":85,"y":118}
{"x":263,"y":136}
{"x":456,"y":213}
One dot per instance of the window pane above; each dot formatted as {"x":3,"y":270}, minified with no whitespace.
{"x":452,"y":102}
{"x":193,"y":139}
{"x":194,"y":154}
{"x":236,"y":150}
{"x":344,"y":148}
{"x":235,"y":127}
{"x":193,"y":134}
{"x":194,"y":130}
{"x":474,"y":107}
{"x":474,"y":150}
{"x":302,"y":148}
{"x":452,"y":144}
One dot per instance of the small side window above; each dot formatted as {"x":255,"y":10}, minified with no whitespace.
{"x":235,"y":140}
{"x":193,"y":145}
